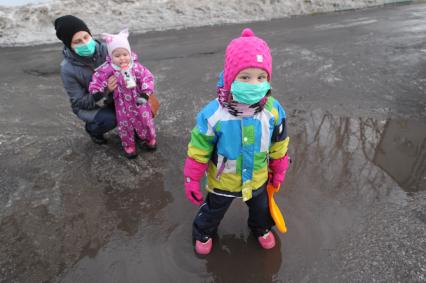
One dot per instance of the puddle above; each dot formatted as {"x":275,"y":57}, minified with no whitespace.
{"x":362,"y":151}
{"x":401,"y":153}
{"x":91,"y":215}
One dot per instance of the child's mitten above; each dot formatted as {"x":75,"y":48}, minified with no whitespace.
{"x":194,"y":172}
{"x":278,"y":168}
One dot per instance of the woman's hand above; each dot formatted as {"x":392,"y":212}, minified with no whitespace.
{"x":112,"y":83}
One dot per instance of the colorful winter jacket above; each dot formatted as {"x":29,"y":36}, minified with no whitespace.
{"x":237,"y":149}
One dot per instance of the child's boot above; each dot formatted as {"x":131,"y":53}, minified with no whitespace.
{"x":130,"y":151}
{"x":204,"y":248}
{"x":151,"y":145}
{"x":267,"y":241}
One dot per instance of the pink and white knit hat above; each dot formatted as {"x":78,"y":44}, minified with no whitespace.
{"x":114,"y":41}
{"x":247,"y":51}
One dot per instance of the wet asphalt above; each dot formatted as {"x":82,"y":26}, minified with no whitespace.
{"x":353,"y":85}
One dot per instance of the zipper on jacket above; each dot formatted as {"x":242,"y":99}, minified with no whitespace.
{"x":221,"y":168}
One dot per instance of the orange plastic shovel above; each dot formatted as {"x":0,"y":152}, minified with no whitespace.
{"x":275,"y":210}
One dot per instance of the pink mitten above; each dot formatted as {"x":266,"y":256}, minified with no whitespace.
{"x":193,"y":172}
{"x":193,"y":192}
{"x":278,"y":168}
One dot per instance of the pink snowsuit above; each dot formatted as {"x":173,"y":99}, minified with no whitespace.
{"x":130,"y":116}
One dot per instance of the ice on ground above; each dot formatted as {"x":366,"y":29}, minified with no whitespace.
{"x":33,"y":23}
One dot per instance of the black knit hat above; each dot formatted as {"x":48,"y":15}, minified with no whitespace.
{"x":67,"y":26}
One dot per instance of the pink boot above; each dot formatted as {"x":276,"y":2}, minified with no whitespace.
{"x":267,"y":241}
{"x":130,"y":151}
{"x":203,"y":248}
{"x":152,"y":144}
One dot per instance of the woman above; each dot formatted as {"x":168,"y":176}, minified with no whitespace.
{"x":82,"y":55}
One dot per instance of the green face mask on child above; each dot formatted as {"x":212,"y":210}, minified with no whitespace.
{"x":247,"y":93}
{"x":85,"y":49}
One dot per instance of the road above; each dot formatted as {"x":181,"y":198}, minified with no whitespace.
{"x":353,"y":85}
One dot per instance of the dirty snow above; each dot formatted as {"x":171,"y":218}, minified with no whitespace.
{"x":32,"y":23}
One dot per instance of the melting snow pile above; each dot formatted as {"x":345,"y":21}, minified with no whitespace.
{"x":32,"y":23}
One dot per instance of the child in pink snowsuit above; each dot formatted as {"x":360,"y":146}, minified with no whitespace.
{"x":135,"y":84}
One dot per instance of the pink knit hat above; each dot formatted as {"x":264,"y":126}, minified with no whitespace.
{"x":114,"y":41}
{"x":247,"y":51}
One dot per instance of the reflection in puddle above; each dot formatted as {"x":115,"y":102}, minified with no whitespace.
{"x":237,"y":260}
{"x":402,"y":153}
{"x":361,"y":153}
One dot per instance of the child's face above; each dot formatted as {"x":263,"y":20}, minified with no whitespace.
{"x":121,"y":57}
{"x":252,"y":76}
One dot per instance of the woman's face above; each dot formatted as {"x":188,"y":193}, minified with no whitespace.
{"x":252,"y":76}
{"x":81,"y":37}
{"x":121,"y":57}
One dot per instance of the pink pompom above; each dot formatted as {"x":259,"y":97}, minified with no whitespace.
{"x":247,"y":32}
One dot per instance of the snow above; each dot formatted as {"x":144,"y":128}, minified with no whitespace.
{"x":33,"y":23}
{"x":20,"y":2}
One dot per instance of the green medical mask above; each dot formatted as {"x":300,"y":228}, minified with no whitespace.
{"x":247,"y":93}
{"x":85,"y":49}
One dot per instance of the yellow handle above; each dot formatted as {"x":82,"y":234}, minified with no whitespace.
{"x":275,"y":210}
